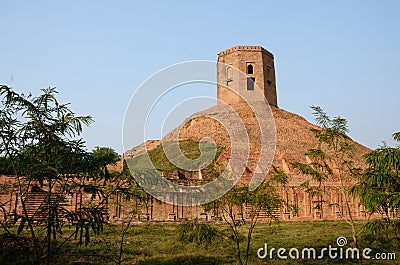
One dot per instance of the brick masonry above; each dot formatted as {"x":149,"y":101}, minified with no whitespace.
{"x":256,"y":62}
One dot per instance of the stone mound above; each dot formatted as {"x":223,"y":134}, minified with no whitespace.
{"x":293,"y":136}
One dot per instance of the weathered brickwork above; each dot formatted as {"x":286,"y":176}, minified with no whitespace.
{"x":256,"y":62}
{"x":293,"y":139}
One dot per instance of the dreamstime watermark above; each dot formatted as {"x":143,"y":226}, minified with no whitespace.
{"x":145,"y":100}
{"x":331,"y":252}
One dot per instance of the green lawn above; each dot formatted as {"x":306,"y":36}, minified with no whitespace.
{"x":149,"y":244}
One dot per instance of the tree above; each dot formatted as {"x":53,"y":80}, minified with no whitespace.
{"x":38,"y":142}
{"x":103,"y":157}
{"x":40,"y":146}
{"x":242,"y":210}
{"x":379,"y":190}
{"x":131,"y":200}
{"x":332,"y":159}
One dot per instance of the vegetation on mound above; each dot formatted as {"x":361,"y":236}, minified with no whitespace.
{"x":190,"y":149}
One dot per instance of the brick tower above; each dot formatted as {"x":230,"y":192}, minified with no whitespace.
{"x":258,"y":66}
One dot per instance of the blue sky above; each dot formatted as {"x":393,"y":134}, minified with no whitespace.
{"x":341,"y":55}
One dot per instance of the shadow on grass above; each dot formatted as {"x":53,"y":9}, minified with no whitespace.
{"x":15,"y":250}
{"x":183,"y":260}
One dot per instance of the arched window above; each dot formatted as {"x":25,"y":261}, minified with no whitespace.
{"x":229,"y":73}
{"x":229,"y":76}
{"x":250,"y":69}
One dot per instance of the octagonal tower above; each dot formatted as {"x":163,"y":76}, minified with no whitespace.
{"x":258,"y":65}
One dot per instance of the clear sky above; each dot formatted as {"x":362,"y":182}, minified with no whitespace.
{"x":341,"y":55}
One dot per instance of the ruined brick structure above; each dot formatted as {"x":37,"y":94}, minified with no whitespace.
{"x":293,"y":139}
{"x":257,"y":63}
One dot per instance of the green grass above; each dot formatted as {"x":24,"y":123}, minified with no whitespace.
{"x":189,"y":149}
{"x":150,"y":244}
{"x":196,"y":155}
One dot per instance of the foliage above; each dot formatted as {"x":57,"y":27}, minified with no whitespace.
{"x":190,"y":150}
{"x":129,"y":196}
{"x":157,"y":243}
{"x":103,"y":156}
{"x":379,"y":190}
{"x":40,"y":147}
{"x":242,"y":210}
{"x":37,"y":140}
{"x":199,"y":233}
{"x":332,"y":159}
